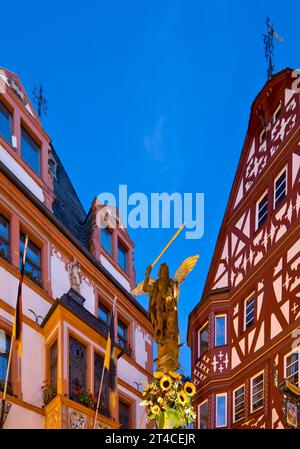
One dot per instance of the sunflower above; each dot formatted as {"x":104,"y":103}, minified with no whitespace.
{"x":158,"y":375}
{"x":175,"y":375}
{"x":166,"y":383}
{"x":182,"y":397}
{"x":155,"y":409}
{"x":146,"y":389}
{"x":189,"y":388}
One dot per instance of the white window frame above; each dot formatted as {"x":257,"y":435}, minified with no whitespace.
{"x":221,"y":315}
{"x":286,"y":186}
{"x":226,"y":408}
{"x":275,"y":112}
{"x":199,"y":406}
{"x":253,"y":294}
{"x":233,"y":403}
{"x":199,"y":332}
{"x":266,"y":193}
{"x":251,"y":391}
{"x":285,"y":364}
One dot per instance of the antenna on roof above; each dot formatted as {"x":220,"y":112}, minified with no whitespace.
{"x":269,"y":45}
{"x":40,"y":100}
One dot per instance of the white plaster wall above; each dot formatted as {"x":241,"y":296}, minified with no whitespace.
{"x":31,"y":300}
{"x":60,"y":282}
{"x":115,"y":273}
{"x":33,"y":366}
{"x":130,"y":374}
{"x":22,"y":418}
{"x":140,"y":346}
{"x":87,"y":291}
{"x":21,"y":174}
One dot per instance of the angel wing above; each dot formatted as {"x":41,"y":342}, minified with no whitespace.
{"x":138,"y":290}
{"x":185,"y":268}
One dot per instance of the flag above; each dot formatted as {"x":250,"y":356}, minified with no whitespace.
{"x":17,"y":329}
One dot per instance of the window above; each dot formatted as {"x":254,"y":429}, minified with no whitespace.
{"x":220,"y":330}
{"x":279,"y":188}
{"x":124,"y":415}
{"x":4,"y":353}
{"x":4,"y":238}
{"x":292,"y":368}
{"x":98,"y":367}
{"x":77,"y":368}
{"x":203,"y":415}
{"x":277,"y":113}
{"x":5,"y":123}
{"x":221,"y":410}
{"x":122,"y":256}
{"x":53,"y":365}
{"x":257,"y":392}
{"x":123,"y":335}
{"x":33,"y":260}
{"x":31,"y":152}
{"x":104,"y":313}
{"x":239,"y":403}
{"x":262,"y":211}
{"x":106,"y":240}
{"x":203,"y":340}
{"x":249,"y":313}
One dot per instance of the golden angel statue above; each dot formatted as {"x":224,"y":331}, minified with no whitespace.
{"x":163,"y":310}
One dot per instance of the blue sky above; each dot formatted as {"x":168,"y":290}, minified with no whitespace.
{"x":153,"y":94}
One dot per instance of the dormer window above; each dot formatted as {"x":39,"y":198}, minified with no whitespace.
{"x":5,"y":123}
{"x":277,"y":113}
{"x":122,"y":256}
{"x":31,"y":151}
{"x":106,"y":239}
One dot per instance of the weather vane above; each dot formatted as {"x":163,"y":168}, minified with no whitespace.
{"x":269,"y":46}
{"x":40,"y":100}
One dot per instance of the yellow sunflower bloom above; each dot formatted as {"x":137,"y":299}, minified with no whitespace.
{"x":175,"y":375}
{"x":182,"y":397}
{"x":158,"y":375}
{"x":189,"y":388}
{"x":166,"y":383}
{"x":155,"y":409}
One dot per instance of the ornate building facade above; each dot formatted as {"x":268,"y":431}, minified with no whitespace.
{"x":244,"y":333}
{"x":74,"y":269}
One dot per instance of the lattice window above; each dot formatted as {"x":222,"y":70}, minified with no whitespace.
{"x":77,"y":367}
{"x":98,"y":368}
{"x":124,"y":415}
{"x":53,"y":365}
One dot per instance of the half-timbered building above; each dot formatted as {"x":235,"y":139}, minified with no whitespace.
{"x":74,"y":270}
{"x":244,"y":333}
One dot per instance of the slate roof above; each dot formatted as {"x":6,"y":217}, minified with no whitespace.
{"x":73,"y":302}
{"x":67,"y":206}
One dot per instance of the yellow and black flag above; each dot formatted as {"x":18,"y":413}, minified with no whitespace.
{"x":18,"y":323}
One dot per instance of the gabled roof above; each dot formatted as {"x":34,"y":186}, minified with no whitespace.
{"x":261,"y":103}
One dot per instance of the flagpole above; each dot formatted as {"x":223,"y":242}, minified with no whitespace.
{"x":99,"y":396}
{"x":11,"y":345}
{"x":102,"y":375}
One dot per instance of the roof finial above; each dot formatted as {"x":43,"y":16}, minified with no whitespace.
{"x":40,"y":100}
{"x":269,"y":46}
